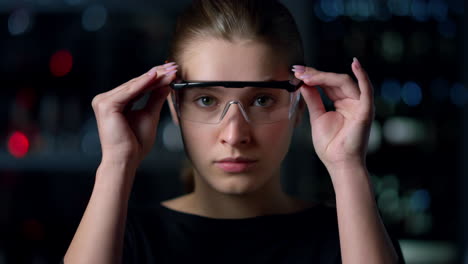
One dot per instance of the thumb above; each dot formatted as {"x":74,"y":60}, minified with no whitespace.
{"x":313,"y":100}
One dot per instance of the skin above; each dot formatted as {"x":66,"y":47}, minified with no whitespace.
{"x":126,"y":137}
{"x":257,"y":192}
{"x":339,"y":137}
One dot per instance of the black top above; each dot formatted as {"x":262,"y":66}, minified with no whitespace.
{"x":163,"y":235}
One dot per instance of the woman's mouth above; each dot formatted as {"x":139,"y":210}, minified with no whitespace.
{"x":235,"y":165}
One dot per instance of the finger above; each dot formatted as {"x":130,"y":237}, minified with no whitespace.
{"x":365,"y":85}
{"x":159,"y":95}
{"x":314,"y":101}
{"x":123,"y":96}
{"x":337,"y":86}
{"x":151,"y":75}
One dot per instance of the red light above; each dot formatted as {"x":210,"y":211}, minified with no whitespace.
{"x":61,"y":63}
{"x":18,"y":144}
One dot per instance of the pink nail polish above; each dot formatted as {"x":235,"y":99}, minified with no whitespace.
{"x":298,"y":70}
{"x":305,"y":76}
{"x":169,"y":64}
{"x":358,"y":64}
{"x":298,"y":66}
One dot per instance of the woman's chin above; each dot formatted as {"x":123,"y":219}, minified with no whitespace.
{"x":236,"y":185}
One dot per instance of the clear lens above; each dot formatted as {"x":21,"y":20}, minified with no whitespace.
{"x":210,"y":105}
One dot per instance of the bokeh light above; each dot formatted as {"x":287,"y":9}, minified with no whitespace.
{"x":172,"y":139}
{"x":392,"y":46}
{"x":404,"y":130}
{"x":90,"y":142}
{"x":375,"y":138}
{"x":18,"y":144}
{"x":438,"y":9}
{"x":459,"y":94}
{"x":19,"y":22}
{"x":391,"y":91}
{"x":420,"y":200}
{"x":399,"y":7}
{"x":94,"y":18}
{"x":411,"y":94}
{"x":332,"y":9}
{"x":61,"y":63}
{"x":419,"y":10}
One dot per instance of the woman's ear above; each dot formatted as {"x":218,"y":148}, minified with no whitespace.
{"x":175,"y":118}
{"x":299,"y":112}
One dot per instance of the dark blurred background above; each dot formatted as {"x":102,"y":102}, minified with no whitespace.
{"x":56,"y":55}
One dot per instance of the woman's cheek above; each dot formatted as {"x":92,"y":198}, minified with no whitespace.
{"x":276,"y":139}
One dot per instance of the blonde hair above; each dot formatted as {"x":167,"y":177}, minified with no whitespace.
{"x":266,"y":21}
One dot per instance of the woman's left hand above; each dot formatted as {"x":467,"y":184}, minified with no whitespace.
{"x":340,"y":137}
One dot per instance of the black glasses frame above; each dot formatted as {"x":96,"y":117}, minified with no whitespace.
{"x":291,"y":85}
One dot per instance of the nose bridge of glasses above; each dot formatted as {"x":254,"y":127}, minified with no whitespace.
{"x":239,"y":106}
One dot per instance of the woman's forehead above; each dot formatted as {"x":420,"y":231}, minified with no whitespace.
{"x":216,"y":59}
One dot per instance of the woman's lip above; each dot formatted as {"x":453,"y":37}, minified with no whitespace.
{"x":235,"y":167}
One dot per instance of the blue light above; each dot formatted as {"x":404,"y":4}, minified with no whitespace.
{"x":419,"y":10}
{"x":390,"y":91}
{"x":332,"y":8}
{"x":319,"y":12}
{"x":459,"y":94}
{"x":438,"y":9}
{"x":19,"y":22}
{"x":411,"y":94}
{"x":420,"y":200}
{"x":94,"y":18}
{"x":399,"y":7}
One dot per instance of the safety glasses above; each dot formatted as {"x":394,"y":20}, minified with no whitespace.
{"x":207,"y":102}
{"x":289,"y":85}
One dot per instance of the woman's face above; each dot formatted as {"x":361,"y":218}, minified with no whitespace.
{"x":207,"y":144}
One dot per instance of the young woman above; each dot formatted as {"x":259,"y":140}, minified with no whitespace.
{"x":236,"y":136}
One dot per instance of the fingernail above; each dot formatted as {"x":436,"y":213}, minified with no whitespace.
{"x":152,"y":71}
{"x":356,"y":61}
{"x":169,"y":64}
{"x":298,"y":66}
{"x":171,"y":72}
{"x":171,"y":68}
{"x":305,"y":76}
{"x":298,"y":70}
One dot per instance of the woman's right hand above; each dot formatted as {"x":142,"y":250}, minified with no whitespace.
{"x":127,"y":136}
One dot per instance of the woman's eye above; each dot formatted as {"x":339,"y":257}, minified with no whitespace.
{"x":263,"y":101}
{"x":205,"y":101}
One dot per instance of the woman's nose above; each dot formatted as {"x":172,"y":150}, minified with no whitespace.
{"x":235,"y":130}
